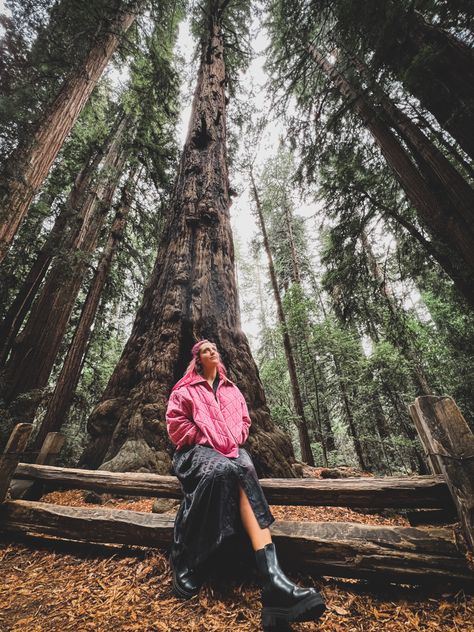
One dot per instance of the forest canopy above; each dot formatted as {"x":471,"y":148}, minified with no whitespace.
{"x":316,"y":221}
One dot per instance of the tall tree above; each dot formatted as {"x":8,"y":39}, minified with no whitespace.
{"x":35,"y":350}
{"x":324,"y":80}
{"x":450,"y":226}
{"x":305,"y":445}
{"x":31,"y":161}
{"x":64,"y":232}
{"x":192,"y":292}
{"x":60,"y":402}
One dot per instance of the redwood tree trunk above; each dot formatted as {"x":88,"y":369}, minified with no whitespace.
{"x":448,"y":227}
{"x":35,"y":350}
{"x":62,"y":235}
{"x":60,"y":402}
{"x":191,"y":294}
{"x":305,"y":445}
{"x":29,"y":165}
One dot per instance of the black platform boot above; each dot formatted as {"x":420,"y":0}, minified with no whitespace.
{"x":282,"y":600}
{"x":186,"y":580}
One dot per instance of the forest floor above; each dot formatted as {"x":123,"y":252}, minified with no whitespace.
{"x":48,"y":586}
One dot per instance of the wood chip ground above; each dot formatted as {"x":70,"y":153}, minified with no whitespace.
{"x":47,"y":586}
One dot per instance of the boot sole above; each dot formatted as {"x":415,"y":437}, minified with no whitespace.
{"x":310,"y":609}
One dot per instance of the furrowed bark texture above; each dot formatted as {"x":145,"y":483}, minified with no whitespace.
{"x":60,"y":402}
{"x":35,"y":350}
{"x":31,"y":164}
{"x":191,"y":294}
{"x":62,"y":236}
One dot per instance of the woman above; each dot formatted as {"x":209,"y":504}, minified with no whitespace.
{"x":207,"y":419}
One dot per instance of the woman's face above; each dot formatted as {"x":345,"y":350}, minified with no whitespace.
{"x":209,"y":355}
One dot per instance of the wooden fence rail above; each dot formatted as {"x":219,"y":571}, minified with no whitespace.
{"x":381,"y":492}
{"x":403,"y":554}
{"x":342,"y":549}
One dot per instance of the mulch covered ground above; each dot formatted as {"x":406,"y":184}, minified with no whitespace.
{"x":50,"y":586}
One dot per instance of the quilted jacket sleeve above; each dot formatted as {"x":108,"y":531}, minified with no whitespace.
{"x":179,"y":423}
{"x":245,"y":421}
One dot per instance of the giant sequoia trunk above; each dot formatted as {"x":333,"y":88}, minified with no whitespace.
{"x":191,"y":294}
{"x":30,"y":164}
{"x":35,"y":349}
{"x":448,"y":227}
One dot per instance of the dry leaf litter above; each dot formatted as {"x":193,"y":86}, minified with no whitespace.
{"x":48,"y":586}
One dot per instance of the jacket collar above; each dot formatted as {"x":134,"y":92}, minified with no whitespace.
{"x":198,"y":379}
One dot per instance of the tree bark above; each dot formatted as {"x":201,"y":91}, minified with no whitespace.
{"x":191,"y":294}
{"x":30,"y":164}
{"x":62,"y":235}
{"x":35,"y":350}
{"x":60,"y":402}
{"x":446,"y":226}
{"x":305,"y":445}
{"x":446,"y":179}
{"x":340,"y":549}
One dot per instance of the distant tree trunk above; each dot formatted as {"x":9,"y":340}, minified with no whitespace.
{"x":295,"y":266}
{"x":442,"y":220}
{"x":305,"y":445}
{"x":60,"y":402}
{"x":401,"y":338}
{"x":191,"y":294}
{"x":30,"y":164}
{"x":346,"y":400}
{"x":62,"y":235}
{"x":418,"y":463}
{"x":35,"y":350}
{"x":296,"y":276}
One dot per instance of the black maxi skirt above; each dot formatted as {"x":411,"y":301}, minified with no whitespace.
{"x":209,"y":512}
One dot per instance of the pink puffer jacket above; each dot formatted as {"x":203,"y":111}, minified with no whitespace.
{"x":195,"y":416}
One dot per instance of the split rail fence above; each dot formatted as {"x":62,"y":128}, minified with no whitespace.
{"x":417,"y":555}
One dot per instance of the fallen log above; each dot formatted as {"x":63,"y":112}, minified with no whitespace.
{"x":381,"y":492}
{"x":342,"y":549}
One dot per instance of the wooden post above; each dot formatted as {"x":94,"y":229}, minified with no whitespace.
{"x":11,"y":455}
{"x":34,"y":490}
{"x":449,"y":440}
{"x":50,"y":449}
{"x":431,"y":460}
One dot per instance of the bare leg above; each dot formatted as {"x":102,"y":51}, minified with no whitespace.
{"x":259,"y":537}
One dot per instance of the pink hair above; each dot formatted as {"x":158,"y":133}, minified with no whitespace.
{"x":191,"y":371}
